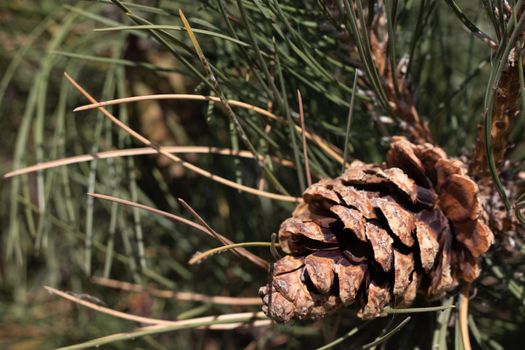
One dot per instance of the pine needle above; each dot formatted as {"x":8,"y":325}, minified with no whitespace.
{"x":137,"y":152}
{"x":221,"y":322}
{"x":305,"y":146}
{"x":329,"y":149}
{"x":197,"y":258}
{"x":157,"y":325}
{"x":251,"y":257}
{"x":388,"y":335}
{"x":169,"y":294}
{"x":106,"y":310}
{"x":176,"y":159}
{"x":463,"y":316}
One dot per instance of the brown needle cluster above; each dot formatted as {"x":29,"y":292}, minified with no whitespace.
{"x":378,"y":235}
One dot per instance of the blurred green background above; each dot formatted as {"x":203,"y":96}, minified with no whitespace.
{"x":262,"y":52}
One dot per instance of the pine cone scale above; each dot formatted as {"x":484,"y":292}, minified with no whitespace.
{"x":381,"y":244}
{"x":403,"y":268}
{"x":319,"y":267}
{"x":352,"y":220}
{"x":356,"y":199}
{"x":378,"y":297}
{"x":400,"y":221}
{"x":350,"y":277}
{"x":428,"y":245}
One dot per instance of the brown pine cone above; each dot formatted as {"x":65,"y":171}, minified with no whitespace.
{"x":378,"y":235}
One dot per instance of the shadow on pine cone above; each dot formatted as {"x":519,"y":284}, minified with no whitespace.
{"x":378,"y":235}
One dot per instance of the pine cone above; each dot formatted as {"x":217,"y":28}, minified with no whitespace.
{"x":378,"y":235}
